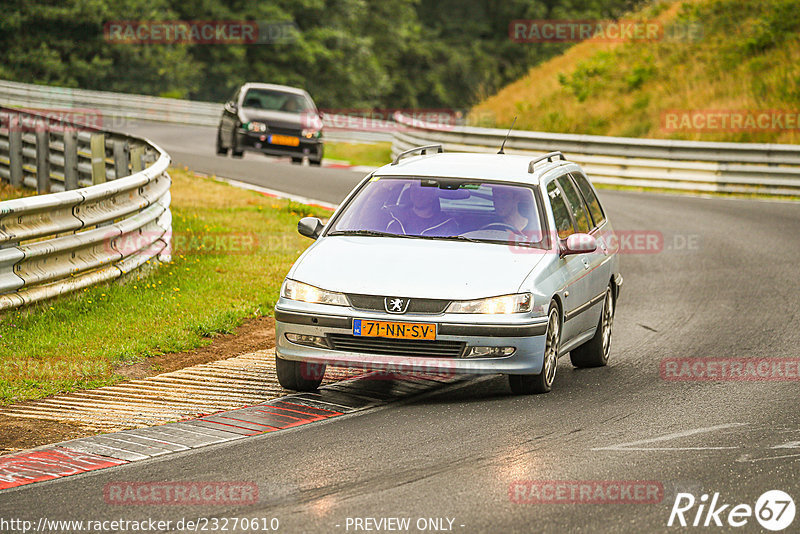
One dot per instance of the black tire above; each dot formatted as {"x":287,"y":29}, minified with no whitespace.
{"x":237,"y":154}
{"x":543,"y":382}
{"x":299,"y":376}
{"x":594,"y":353}
{"x":221,"y":150}
{"x":315,"y":163}
{"x":297,"y":161}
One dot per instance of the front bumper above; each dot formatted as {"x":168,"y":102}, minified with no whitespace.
{"x":526,"y":334}
{"x":259,"y":142}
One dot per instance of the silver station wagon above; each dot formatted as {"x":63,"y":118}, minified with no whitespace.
{"x":454,"y":263}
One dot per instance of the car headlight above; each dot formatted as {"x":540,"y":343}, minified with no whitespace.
{"x":519,"y":303}
{"x":256,"y":126}
{"x":294,"y":290}
{"x":309,"y":133}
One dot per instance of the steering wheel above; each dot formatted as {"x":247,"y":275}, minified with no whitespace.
{"x":501,"y":226}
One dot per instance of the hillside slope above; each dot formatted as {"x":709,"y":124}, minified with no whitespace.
{"x":747,"y":59}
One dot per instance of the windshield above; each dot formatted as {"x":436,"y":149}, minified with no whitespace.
{"x":277,"y":101}
{"x":443,"y":208}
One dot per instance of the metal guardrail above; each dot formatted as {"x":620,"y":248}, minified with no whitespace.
{"x":108,"y":216}
{"x":117,"y":107}
{"x":665,"y":164}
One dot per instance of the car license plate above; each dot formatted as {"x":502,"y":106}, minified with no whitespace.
{"x":365,"y":328}
{"x":286,"y":140}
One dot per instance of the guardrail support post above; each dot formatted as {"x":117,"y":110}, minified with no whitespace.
{"x":98,"y":148}
{"x":70,"y":160}
{"x":121,"y":163}
{"x":15,"y":149}
{"x":42,"y":161}
{"x":137,"y":159}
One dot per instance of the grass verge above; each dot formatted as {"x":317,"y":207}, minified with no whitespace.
{"x":232,"y":250}
{"x":369,"y":154}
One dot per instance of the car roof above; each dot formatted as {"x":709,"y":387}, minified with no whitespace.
{"x":495,"y":167}
{"x":275,"y":87}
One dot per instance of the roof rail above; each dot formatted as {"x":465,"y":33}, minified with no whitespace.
{"x":422,"y":149}
{"x":547,"y":157}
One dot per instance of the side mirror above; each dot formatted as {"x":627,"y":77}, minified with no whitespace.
{"x":310,"y":227}
{"x":579,"y":244}
{"x":231,"y":106}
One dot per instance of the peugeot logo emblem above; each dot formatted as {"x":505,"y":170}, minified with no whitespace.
{"x":396,"y":304}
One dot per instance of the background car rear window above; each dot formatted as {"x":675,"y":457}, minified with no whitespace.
{"x":591,"y":199}
{"x":561,"y":214}
{"x":579,"y":212}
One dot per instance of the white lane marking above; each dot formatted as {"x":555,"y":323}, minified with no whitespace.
{"x":276,"y":193}
{"x":686,"y":433}
{"x":790,"y":445}
{"x":666,"y":449}
{"x":747,"y":458}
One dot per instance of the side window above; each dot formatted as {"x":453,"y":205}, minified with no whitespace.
{"x":564,"y":225}
{"x":591,"y":199}
{"x":582,"y":222}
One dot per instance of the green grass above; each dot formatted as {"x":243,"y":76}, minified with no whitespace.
{"x":369,"y":154}
{"x":9,"y":193}
{"x":78,"y":341}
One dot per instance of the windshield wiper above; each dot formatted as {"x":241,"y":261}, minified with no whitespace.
{"x":371,"y":233}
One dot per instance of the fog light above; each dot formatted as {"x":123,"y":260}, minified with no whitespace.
{"x":488,"y":352}
{"x":311,"y":341}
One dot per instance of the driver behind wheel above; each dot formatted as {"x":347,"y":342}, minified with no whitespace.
{"x":508,"y":203}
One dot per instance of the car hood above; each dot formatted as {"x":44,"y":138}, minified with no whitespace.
{"x":281,"y":119}
{"x":417,"y":268}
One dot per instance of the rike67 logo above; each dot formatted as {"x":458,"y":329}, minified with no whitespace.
{"x":774,"y":510}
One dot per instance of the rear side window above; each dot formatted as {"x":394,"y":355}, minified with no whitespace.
{"x":582,"y":221}
{"x":591,"y":199}
{"x":561,"y":215}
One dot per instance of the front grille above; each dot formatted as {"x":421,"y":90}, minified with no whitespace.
{"x":284,"y":131}
{"x":375,"y":303}
{"x":397,"y":347}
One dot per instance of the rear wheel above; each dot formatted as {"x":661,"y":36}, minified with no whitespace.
{"x":594,"y":353}
{"x":315,"y":163}
{"x":543,"y":382}
{"x":299,"y":376}
{"x":297,"y":161}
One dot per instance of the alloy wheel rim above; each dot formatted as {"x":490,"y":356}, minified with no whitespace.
{"x":608,"y":323}
{"x":551,"y":348}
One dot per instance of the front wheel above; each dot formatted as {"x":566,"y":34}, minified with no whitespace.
{"x":543,"y":382}
{"x":299,"y":376}
{"x":594,"y":353}
{"x":221,"y":150}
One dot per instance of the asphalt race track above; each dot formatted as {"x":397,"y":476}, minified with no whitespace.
{"x":723,"y":283}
